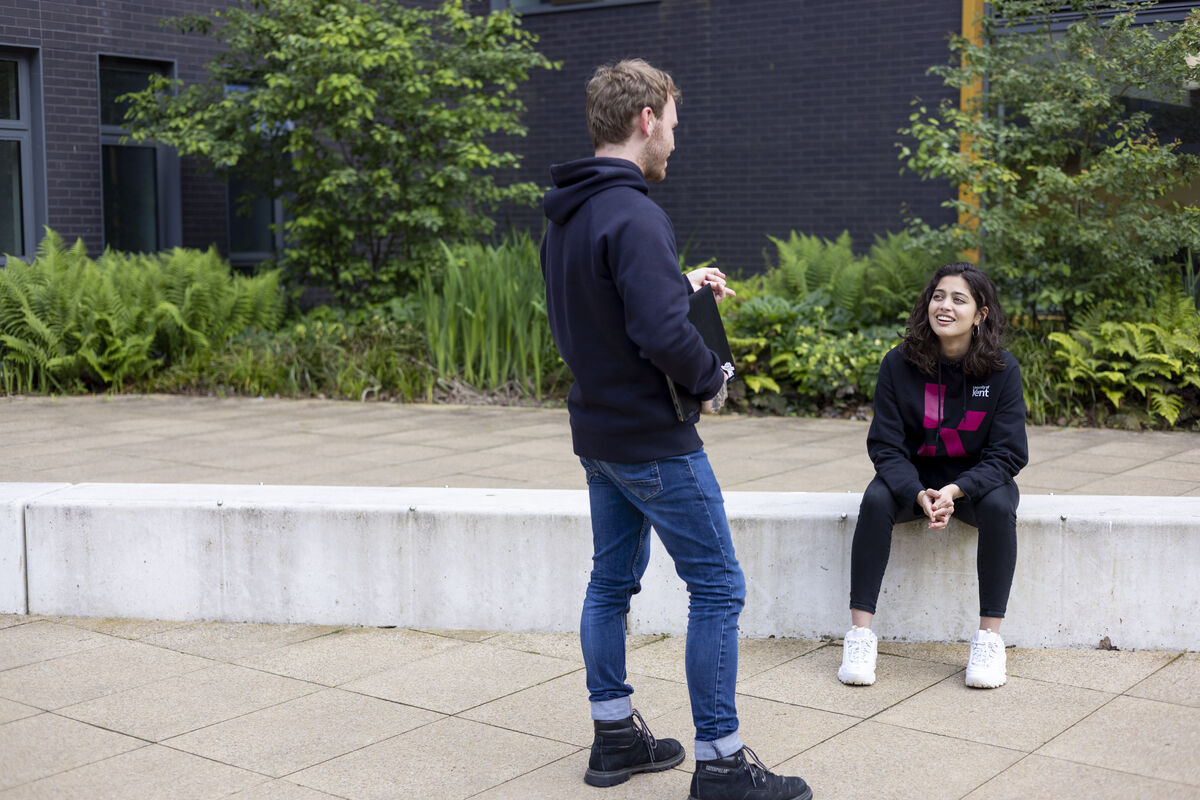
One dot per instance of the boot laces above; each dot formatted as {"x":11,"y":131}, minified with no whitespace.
{"x":639,"y":725}
{"x":758,"y":770}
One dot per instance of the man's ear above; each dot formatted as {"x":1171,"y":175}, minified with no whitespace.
{"x":647,"y":121}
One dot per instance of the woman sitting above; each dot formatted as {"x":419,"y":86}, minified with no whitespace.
{"x":947,"y":438}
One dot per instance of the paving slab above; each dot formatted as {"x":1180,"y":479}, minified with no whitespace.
{"x":94,"y":672}
{"x":1037,"y":776}
{"x":1024,"y":716}
{"x":1178,"y":682}
{"x":462,"y":678}
{"x":11,"y":711}
{"x":811,"y":680}
{"x":281,"y":790}
{"x":775,"y":731}
{"x":665,"y":658}
{"x":230,"y":641}
{"x":175,"y":706}
{"x":41,"y":640}
{"x":346,"y":655}
{"x":312,"y":729}
{"x":1130,"y":734}
{"x":563,"y":779}
{"x":1104,"y":670}
{"x":445,"y":773}
{"x":873,"y":761}
{"x":42,"y":745}
{"x":526,"y":710}
{"x":149,"y":773}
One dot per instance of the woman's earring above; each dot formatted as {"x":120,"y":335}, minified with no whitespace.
{"x":974,"y":331}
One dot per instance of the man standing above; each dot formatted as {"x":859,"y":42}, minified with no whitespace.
{"x":618,"y":311}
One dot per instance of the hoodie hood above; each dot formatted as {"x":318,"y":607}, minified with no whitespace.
{"x":576,"y":182}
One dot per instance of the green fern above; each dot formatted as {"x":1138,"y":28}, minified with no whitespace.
{"x":68,"y":323}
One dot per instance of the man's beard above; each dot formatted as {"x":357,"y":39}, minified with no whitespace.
{"x":655,"y":158}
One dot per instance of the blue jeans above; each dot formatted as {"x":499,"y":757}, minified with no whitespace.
{"x":680,"y":497}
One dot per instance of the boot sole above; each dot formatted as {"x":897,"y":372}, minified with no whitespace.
{"x":805,"y":795}
{"x":595,"y":777}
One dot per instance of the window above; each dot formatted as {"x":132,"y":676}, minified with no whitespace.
{"x":140,"y":180}
{"x":1161,"y":11}
{"x":543,"y":6}
{"x":22,"y":189}
{"x":251,"y":215}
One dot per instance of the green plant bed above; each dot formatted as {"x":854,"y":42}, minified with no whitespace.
{"x":71,"y":324}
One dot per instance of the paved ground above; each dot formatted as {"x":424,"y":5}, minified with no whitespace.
{"x":197,"y":440}
{"x":153,"y":709}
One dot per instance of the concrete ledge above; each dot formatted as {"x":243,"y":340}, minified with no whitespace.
{"x":13,"y":499}
{"x":1123,"y":567}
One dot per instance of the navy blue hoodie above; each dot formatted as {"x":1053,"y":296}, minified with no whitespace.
{"x":618,"y":306}
{"x":929,"y":431}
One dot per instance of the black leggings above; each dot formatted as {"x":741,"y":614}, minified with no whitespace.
{"x":994,"y":514}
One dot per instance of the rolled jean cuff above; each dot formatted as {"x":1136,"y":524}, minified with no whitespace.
{"x":725,"y":746}
{"x":984,"y":612}
{"x":611,"y":710}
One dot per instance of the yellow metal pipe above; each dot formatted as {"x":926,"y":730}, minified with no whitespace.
{"x":972,"y":30}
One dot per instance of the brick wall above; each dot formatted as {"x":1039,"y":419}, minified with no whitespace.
{"x":72,"y":34}
{"x":789,"y":115}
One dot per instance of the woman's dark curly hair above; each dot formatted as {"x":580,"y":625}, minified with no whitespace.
{"x":921,"y":346}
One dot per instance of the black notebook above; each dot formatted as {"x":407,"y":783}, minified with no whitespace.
{"x":702,"y":313}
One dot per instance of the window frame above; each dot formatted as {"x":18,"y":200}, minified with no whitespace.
{"x":26,"y":130}
{"x":1165,"y":11}
{"x":168,"y":208}
{"x":576,"y":5}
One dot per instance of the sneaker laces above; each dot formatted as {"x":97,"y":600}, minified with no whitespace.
{"x":984,"y":652}
{"x":639,"y":725}
{"x":858,"y":650}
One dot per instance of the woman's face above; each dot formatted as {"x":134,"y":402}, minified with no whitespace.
{"x":953,"y":313}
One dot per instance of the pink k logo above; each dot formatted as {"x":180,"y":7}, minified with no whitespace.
{"x":935,"y":396}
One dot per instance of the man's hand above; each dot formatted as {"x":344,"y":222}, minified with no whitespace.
{"x":713,"y":277}
{"x":714,"y":405}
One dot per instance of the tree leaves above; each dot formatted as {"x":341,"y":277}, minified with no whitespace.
{"x":376,"y":123}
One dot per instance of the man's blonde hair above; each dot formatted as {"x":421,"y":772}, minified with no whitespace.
{"x":617,"y":93}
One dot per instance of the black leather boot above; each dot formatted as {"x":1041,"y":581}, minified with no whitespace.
{"x":625,"y":747}
{"x":737,"y":777}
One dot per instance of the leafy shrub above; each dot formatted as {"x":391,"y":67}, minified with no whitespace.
{"x":878,"y":288}
{"x":69,"y":323}
{"x":792,"y":358}
{"x":1150,"y":370}
{"x":374,"y":353}
{"x":485,"y":319}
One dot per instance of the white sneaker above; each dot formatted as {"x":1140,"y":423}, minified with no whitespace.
{"x":986,"y":668}
{"x":860,"y":649}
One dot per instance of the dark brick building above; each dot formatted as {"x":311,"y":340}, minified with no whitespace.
{"x":788,"y":122}
{"x":61,"y":62}
{"x":789,"y":115}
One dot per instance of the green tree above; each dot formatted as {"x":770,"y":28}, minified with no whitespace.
{"x":370,"y":119}
{"x":1074,"y":183}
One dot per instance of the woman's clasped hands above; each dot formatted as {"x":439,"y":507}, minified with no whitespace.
{"x":938,"y":504}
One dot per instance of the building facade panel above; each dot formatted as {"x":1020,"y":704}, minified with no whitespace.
{"x":789,"y":115}
{"x":69,"y":38}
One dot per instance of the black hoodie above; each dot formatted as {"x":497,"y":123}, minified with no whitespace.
{"x":617,"y":304}
{"x":929,"y":431}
